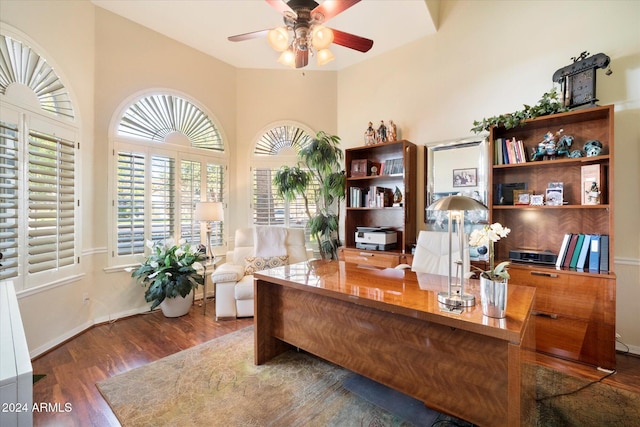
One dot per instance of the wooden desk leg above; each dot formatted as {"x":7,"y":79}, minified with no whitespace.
{"x":266,"y":308}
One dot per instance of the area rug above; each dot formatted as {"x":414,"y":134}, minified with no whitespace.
{"x":217,"y":384}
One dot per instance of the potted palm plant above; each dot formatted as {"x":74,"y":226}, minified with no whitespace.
{"x":319,"y":162}
{"x":170,"y":273}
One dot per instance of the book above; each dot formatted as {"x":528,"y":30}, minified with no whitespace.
{"x":592,"y":178}
{"x":576,"y":252}
{"x":594,"y":253}
{"x":570,"y":250}
{"x":604,"y":253}
{"x":584,"y":253}
{"x":498,"y":152}
{"x":563,"y":250}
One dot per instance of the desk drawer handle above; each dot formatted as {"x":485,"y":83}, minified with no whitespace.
{"x":540,"y":273}
{"x":550,"y":316}
{"x":366,"y":254}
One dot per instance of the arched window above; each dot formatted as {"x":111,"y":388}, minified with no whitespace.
{"x":38,"y":170}
{"x":276,"y":147}
{"x":169,"y":156}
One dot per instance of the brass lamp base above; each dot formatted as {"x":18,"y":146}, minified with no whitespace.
{"x":459,"y":300}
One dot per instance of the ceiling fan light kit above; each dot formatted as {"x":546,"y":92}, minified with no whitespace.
{"x":303,"y":22}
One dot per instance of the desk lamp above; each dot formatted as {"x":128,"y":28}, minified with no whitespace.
{"x":456,"y":205}
{"x":209,"y":212}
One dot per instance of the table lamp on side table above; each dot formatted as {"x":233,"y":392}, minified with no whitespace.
{"x":209,"y":212}
{"x":456,"y":205}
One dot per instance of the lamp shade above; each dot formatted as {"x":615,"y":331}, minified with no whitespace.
{"x":457,"y":203}
{"x":325,"y":56}
{"x":278,"y":39}
{"x":208,"y":211}
{"x":322,"y":37}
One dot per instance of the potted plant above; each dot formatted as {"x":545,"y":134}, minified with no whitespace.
{"x":320,"y":161}
{"x":170,"y":274}
{"x":493,"y":282}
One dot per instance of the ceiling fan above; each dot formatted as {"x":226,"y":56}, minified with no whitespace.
{"x":303,"y":21}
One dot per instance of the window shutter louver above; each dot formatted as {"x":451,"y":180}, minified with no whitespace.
{"x":130,"y":203}
{"x":9,"y":200}
{"x":162,"y":197}
{"x":51,"y":202}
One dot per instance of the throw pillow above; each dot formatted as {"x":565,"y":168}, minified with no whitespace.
{"x":257,"y":263}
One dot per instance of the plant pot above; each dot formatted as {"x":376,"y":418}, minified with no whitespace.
{"x":493,"y":296}
{"x":176,"y":307}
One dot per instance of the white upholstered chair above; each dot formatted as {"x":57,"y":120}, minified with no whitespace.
{"x":255,"y":248}
{"x":432,"y":254}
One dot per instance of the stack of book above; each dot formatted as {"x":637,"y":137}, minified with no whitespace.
{"x":392,"y":166}
{"x":370,"y":197}
{"x":584,"y":252}
{"x":509,"y":151}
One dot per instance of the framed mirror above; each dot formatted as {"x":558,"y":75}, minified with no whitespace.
{"x":456,"y":167}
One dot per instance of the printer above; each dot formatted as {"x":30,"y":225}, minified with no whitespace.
{"x":376,"y":238}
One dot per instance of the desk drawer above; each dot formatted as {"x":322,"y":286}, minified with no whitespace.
{"x":373,"y":258}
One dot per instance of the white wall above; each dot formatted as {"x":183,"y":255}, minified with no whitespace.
{"x":487,"y":58}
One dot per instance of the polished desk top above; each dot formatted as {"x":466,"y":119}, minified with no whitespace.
{"x":405,"y":292}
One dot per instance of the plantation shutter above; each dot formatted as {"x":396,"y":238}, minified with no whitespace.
{"x":163,"y":196}
{"x":130,"y":203}
{"x":190,"y":193}
{"x":268,"y":207}
{"x":215,"y":193}
{"x":9,"y":200}
{"x":51,"y":202}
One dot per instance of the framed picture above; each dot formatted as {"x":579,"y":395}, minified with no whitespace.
{"x":359,"y":168}
{"x":554,"y":197}
{"x":537,"y":200}
{"x":522,"y":197}
{"x":465,"y":177}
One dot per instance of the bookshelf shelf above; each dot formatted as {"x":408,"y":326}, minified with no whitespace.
{"x":576,"y":307}
{"x":401,"y":157}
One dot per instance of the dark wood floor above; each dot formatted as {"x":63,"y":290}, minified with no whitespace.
{"x":106,"y":350}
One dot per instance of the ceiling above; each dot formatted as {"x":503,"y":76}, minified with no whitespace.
{"x":206,"y":24}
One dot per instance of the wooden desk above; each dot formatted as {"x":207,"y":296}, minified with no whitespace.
{"x":387,"y":325}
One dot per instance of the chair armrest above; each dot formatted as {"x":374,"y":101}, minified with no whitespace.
{"x":227,"y":272}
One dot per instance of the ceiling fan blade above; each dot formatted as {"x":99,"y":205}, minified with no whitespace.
{"x":281,"y":7}
{"x":248,"y":36}
{"x":351,"y":41}
{"x":330,"y":8}
{"x":302,"y":58}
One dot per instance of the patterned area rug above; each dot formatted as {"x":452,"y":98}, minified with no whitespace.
{"x":217,"y":384}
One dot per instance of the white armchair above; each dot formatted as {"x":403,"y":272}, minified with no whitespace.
{"x":255,"y":249}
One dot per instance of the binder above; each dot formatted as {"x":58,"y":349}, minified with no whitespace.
{"x":604,"y":253}
{"x":570,"y":251}
{"x":563,"y":250}
{"x":576,"y":252}
{"x":584,"y":253}
{"x":594,"y":253}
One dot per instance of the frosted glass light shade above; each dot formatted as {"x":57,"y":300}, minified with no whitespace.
{"x":288,"y":58}
{"x":322,"y":37}
{"x":325,"y":56}
{"x":278,"y":39}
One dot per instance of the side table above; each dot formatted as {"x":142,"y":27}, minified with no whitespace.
{"x":208,"y":264}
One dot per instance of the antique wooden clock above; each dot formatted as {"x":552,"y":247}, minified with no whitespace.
{"x":578,"y":80}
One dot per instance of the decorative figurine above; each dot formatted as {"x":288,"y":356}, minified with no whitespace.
{"x":382,"y":132}
{"x":593,"y":194}
{"x":593,"y":147}
{"x":548,"y":149}
{"x":397,"y":197}
{"x":392,"y":131}
{"x":370,"y":135}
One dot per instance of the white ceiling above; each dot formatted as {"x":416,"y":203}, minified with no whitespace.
{"x":206,"y":24}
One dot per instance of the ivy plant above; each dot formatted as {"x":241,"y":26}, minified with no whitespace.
{"x":548,"y":104}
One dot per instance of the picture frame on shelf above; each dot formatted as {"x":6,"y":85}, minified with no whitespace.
{"x":536,"y":200}
{"x":359,"y":168}
{"x":554,"y":196}
{"x":465,"y":177}
{"x":522,"y":197}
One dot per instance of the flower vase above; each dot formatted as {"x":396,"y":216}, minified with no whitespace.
{"x":178,"y":306}
{"x":493,"y":296}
